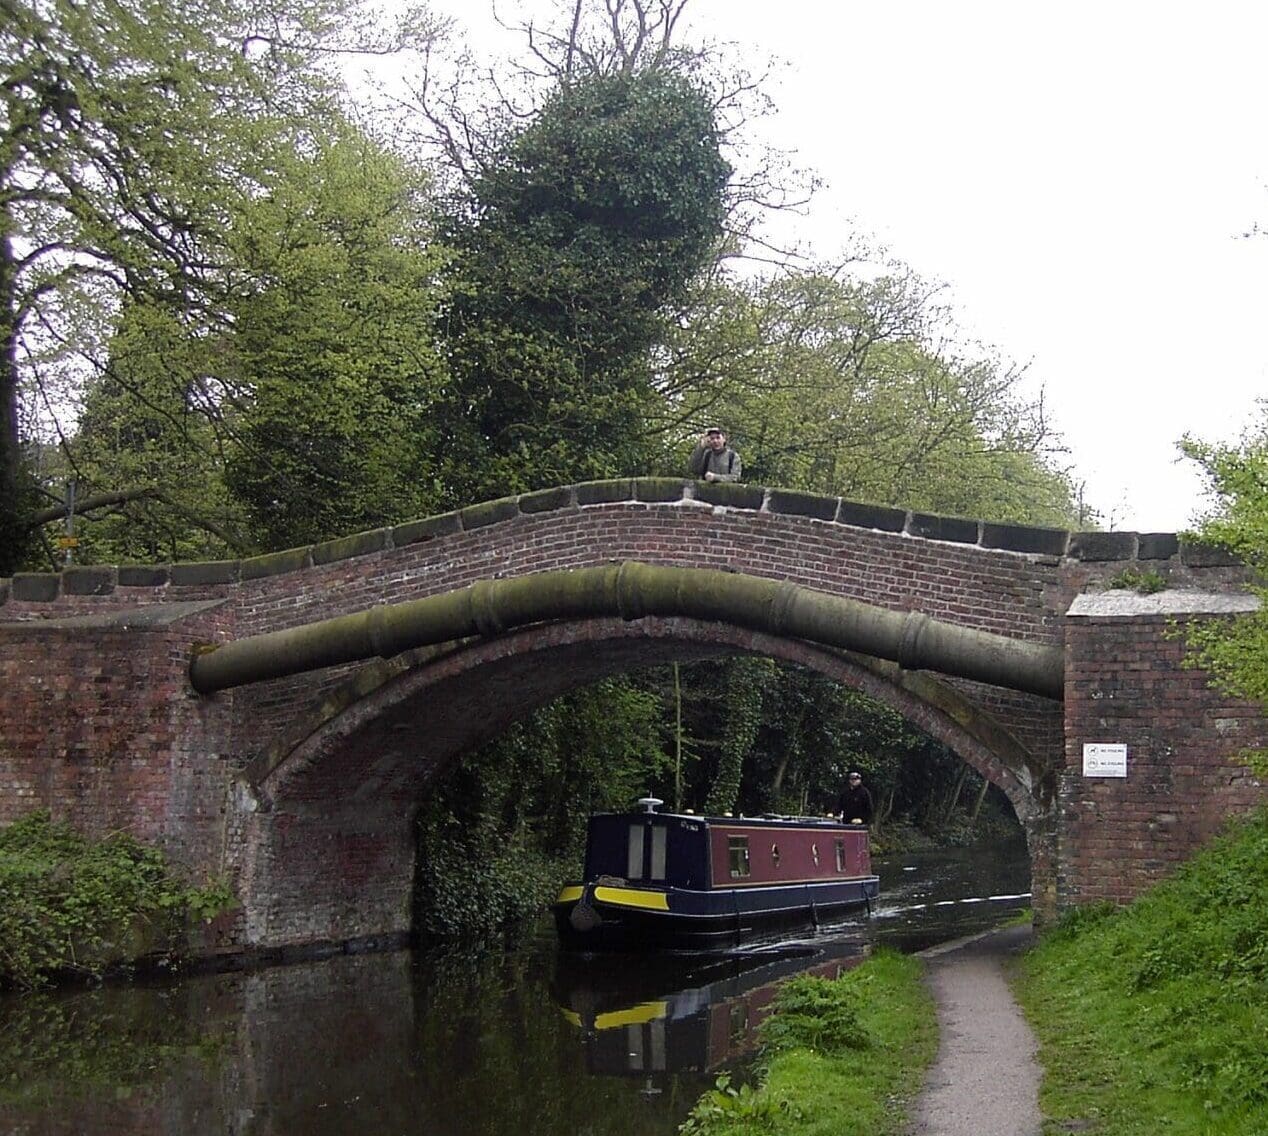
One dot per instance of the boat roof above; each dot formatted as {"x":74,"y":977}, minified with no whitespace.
{"x":768,"y":820}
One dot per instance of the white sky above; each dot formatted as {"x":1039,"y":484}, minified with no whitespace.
{"x":1079,"y":174}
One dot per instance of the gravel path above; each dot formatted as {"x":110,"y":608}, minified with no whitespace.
{"x":985,"y":1081}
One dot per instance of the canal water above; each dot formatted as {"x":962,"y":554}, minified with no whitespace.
{"x":529,"y":1042}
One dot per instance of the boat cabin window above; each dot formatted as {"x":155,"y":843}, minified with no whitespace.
{"x":737,"y":846}
{"x":634,"y":860}
{"x":635,"y":868}
{"x":658,"y":852}
{"x":840,"y":855}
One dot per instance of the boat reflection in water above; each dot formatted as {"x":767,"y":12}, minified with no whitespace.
{"x":643,"y":1015}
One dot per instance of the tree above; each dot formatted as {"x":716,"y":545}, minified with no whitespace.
{"x":335,"y":370}
{"x":1235,"y":652}
{"x":846,"y":384}
{"x":571,"y":244}
{"x":130,"y":130}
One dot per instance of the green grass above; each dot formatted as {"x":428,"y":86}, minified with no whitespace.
{"x":842,"y":1058}
{"x":1154,"y":1018}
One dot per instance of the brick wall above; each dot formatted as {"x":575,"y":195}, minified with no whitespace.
{"x":1126,"y":683}
{"x":302,"y":788}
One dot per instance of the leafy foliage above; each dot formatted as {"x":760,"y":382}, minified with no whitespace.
{"x":334,"y":359}
{"x":841,"y":383}
{"x":814,"y":1013}
{"x":1145,"y":582}
{"x":498,"y":835}
{"x":745,"y":1106}
{"x":68,"y":903}
{"x":130,"y":132}
{"x":1235,"y":651}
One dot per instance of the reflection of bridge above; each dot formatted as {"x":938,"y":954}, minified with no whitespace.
{"x":300,"y":781}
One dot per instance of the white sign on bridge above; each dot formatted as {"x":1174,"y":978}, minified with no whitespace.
{"x":1104,"y":759}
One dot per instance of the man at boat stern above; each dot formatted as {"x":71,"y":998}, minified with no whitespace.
{"x":855,"y":803}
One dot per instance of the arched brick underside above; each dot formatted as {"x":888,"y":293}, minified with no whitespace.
{"x":327,"y":850}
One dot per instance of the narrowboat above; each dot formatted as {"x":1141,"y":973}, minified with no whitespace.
{"x":668,"y":881}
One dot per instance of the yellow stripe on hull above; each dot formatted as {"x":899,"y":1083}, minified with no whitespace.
{"x":569,"y":895}
{"x":628,"y":897}
{"x":635,"y":1015}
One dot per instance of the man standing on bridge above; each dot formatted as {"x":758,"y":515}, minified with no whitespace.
{"x":713,"y":459}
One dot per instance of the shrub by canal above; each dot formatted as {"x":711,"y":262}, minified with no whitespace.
{"x":1154,"y":1017}
{"x":840,"y":1058}
{"x":69,"y":904}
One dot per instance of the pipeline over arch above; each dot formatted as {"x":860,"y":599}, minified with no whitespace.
{"x":633,"y":590}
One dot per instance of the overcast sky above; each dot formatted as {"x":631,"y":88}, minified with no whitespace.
{"x":1080,"y":175}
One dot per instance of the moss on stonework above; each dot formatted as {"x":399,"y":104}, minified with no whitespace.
{"x":275,"y":563}
{"x":490,"y":512}
{"x":345,"y":547}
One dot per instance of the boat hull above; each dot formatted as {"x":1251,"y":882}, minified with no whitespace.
{"x":614,"y":916}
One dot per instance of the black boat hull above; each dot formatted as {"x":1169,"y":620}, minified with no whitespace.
{"x":614,"y":916}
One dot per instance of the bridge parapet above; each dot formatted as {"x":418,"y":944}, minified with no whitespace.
{"x":28,"y":593}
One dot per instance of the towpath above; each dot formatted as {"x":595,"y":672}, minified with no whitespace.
{"x":985,"y":1079}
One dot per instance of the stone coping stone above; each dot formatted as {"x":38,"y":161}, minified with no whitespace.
{"x":1195,"y":555}
{"x":413,"y":532}
{"x":36,"y":587}
{"x":880,"y":517}
{"x":1123,"y":603}
{"x":1024,"y":538}
{"x":275,"y":563}
{"x":1157,"y":546}
{"x":605,"y":492}
{"x":144,"y":618}
{"x":662,"y":489}
{"x":804,"y":504}
{"x":88,"y":581}
{"x":489,"y":512}
{"x":1095,"y":546}
{"x":933,"y":527}
{"x":346,"y":547}
{"x":205,"y":572}
{"x":143,"y":575}
{"x":730,"y":494}
{"x":546,"y":500}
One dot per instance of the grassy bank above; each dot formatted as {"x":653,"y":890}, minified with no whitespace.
{"x":1154,"y":1018}
{"x":841,"y":1058}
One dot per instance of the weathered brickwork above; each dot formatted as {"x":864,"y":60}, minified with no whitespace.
{"x":1126,"y":684}
{"x":302,"y":789}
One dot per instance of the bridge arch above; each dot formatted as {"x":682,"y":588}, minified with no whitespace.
{"x":347,"y":778}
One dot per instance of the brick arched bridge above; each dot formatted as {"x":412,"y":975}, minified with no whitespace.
{"x":302,"y":786}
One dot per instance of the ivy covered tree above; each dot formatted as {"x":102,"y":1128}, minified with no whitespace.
{"x":571,"y":242}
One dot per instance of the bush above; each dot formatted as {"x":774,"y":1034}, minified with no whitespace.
{"x":816,"y":1014}
{"x":68,"y":903}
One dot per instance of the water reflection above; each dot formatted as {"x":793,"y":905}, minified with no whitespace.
{"x":675,"y":1014}
{"x":401,"y":1043}
{"x":933,"y":896}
